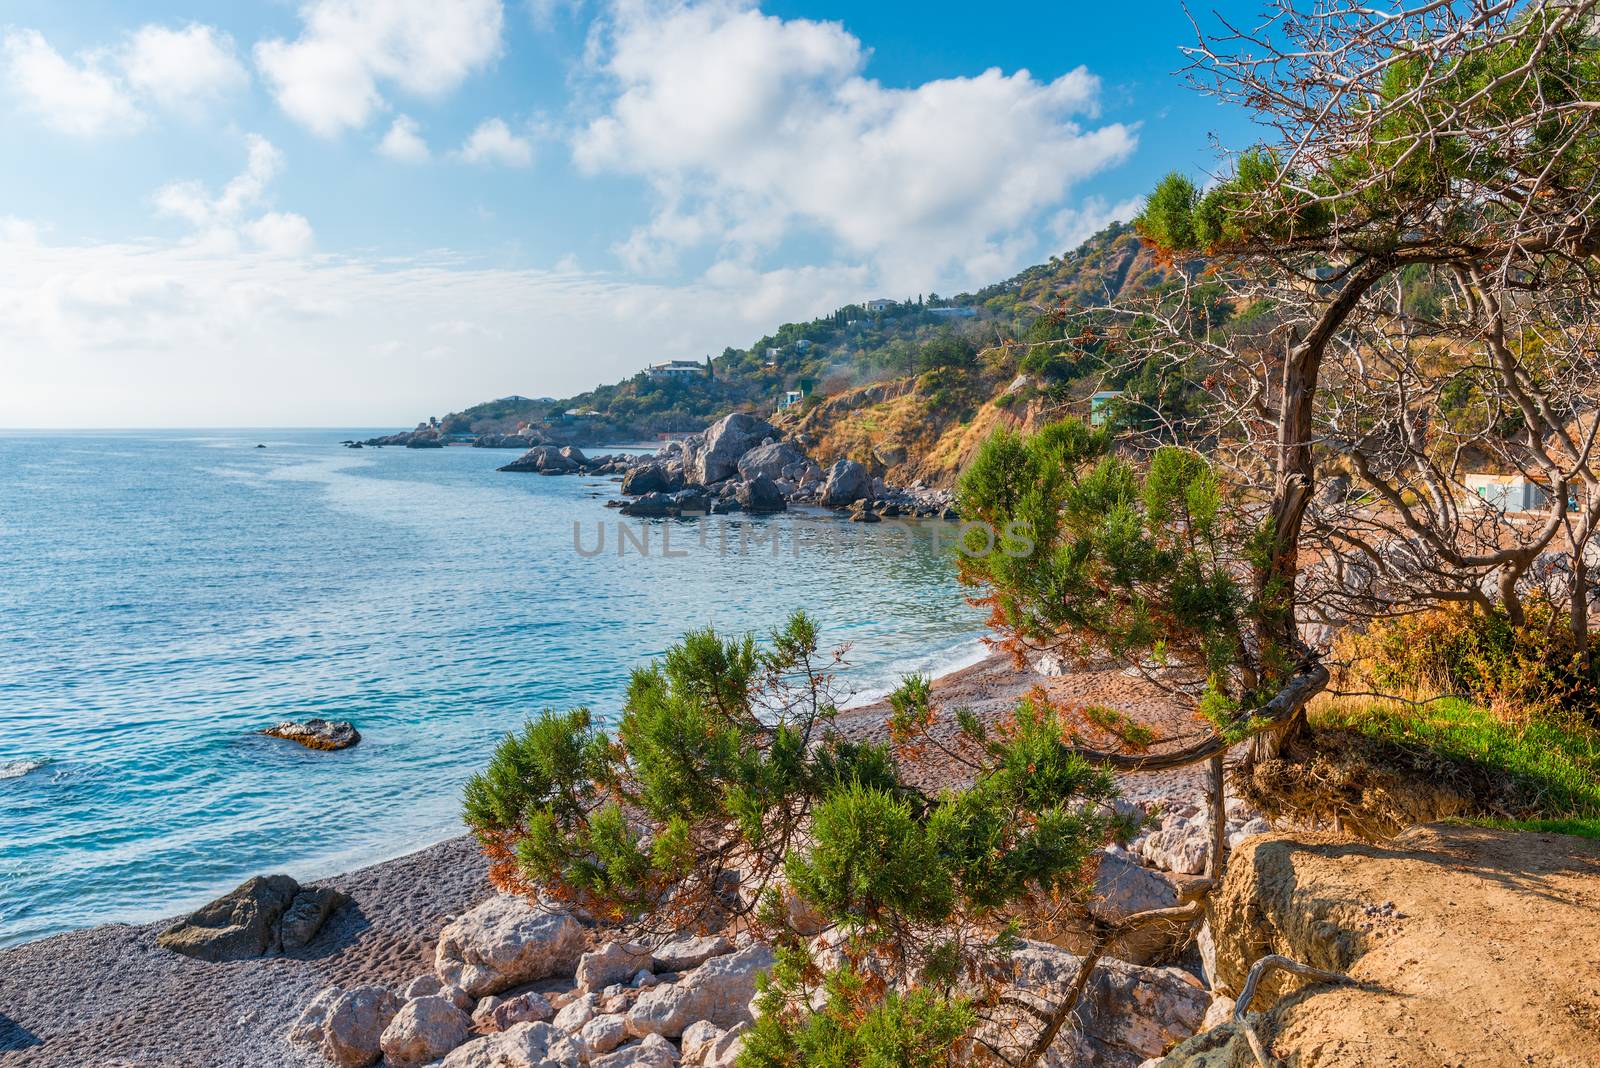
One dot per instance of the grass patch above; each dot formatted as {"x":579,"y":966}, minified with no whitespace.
{"x":1578,"y":828}
{"x":1554,"y":768}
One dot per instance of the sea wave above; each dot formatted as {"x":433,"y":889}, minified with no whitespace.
{"x":16,"y":769}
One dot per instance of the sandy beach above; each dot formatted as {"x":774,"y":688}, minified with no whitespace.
{"x":107,"y":997}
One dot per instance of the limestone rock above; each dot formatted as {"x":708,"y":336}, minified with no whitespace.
{"x":718,"y":990}
{"x":577,"y":1012}
{"x":652,"y":1051}
{"x":421,"y":987}
{"x":1129,"y":1013}
{"x":306,"y":914}
{"x":614,"y":962}
{"x":1122,"y":888}
{"x":307,"y":1028}
{"x":504,"y":942}
{"x":353,"y":1029}
{"x":424,"y":1030}
{"x":603,"y":1034}
{"x":685,"y":953}
{"x":526,"y":1008}
{"x":317,"y":733}
{"x":698,"y":1038}
{"x":527,"y":1045}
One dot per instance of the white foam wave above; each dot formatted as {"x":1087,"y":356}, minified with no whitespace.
{"x":16,"y":769}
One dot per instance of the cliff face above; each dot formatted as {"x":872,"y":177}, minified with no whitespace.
{"x":1467,"y":947}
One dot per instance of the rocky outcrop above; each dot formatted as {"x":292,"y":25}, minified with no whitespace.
{"x":726,"y":442}
{"x":686,"y":953}
{"x":1465,"y":946}
{"x":650,"y":478}
{"x":264,"y":915}
{"x":317,"y":733}
{"x":505,"y":942}
{"x":718,"y":991}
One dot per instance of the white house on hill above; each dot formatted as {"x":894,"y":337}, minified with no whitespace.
{"x":676,"y":369}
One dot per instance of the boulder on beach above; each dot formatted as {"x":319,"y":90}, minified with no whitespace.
{"x":424,"y":1030}
{"x":264,"y":915}
{"x":315,"y":733}
{"x":505,"y":942}
{"x":718,"y":990}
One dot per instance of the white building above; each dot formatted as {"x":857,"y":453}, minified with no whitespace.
{"x":676,"y":369}
{"x":1509,"y":493}
{"x":880,"y":305}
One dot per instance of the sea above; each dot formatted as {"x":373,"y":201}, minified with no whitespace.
{"x":165,"y":595}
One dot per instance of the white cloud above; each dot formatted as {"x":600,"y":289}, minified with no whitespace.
{"x":80,"y":98}
{"x":219,"y":221}
{"x":493,"y":142}
{"x":404,"y":141}
{"x":106,"y":90}
{"x":329,"y":77}
{"x":1071,"y":227}
{"x":753,"y":129}
{"x":179,"y":67}
{"x":181,"y":335}
{"x":281,"y":233}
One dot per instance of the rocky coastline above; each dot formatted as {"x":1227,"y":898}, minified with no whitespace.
{"x":740,"y":463}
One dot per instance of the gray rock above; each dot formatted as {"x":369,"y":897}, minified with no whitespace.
{"x":614,"y":962}
{"x":327,"y":735}
{"x":649,"y":478}
{"x":686,"y":953}
{"x":603,"y":1034}
{"x":307,"y":1028}
{"x":847,"y":483}
{"x":249,"y":922}
{"x":652,"y":1051}
{"x":574,"y":1014}
{"x":727,"y":440}
{"x":353,"y":1030}
{"x":424,"y":1030}
{"x":505,"y":942}
{"x":421,"y":987}
{"x":527,"y":1045}
{"x":527,"y":1008}
{"x":760,"y":495}
{"x":718,"y":990}
{"x":306,"y":914}
{"x":651,"y":504}
{"x":543,"y":459}
{"x":770,"y":461}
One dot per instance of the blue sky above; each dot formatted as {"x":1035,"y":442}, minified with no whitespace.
{"x":360,"y":212}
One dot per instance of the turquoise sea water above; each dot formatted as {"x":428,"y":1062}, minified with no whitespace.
{"x":163,"y":595}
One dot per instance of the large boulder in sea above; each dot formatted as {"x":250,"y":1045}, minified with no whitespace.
{"x":847,"y":483}
{"x":543,"y":459}
{"x":651,"y":478}
{"x":264,"y":915}
{"x":759,"y":495}
{"x":771,"y":460}
{"x":727,"y":440}
{"x":506,"y":942}
{"x":316,"y":733}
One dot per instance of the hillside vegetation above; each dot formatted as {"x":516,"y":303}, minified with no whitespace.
{"x":908,"y":388}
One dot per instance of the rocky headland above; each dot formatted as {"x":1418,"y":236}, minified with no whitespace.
{"x":741,"y":463}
